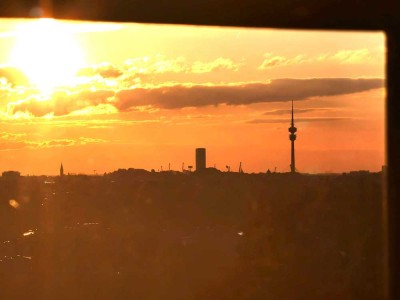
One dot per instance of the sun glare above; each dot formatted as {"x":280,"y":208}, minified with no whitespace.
{"x":47,"y":52}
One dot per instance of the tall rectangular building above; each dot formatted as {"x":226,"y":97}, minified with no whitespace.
{"x":200,"y":159}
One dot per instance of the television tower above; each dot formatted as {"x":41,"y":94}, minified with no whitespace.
{"x":292,"y":138}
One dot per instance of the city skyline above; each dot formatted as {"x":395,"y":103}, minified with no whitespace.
{"x":106,"y":96}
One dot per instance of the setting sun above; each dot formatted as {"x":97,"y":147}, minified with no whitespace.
{"x":46,"y":51}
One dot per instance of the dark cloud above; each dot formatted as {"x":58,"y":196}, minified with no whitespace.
{"x":298,"y":120}
{"x":180,"y":96}
{"x":14,"y":76}
{"x":62,"y":103}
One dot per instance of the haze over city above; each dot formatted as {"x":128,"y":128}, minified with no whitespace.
{"x":102,"y":96}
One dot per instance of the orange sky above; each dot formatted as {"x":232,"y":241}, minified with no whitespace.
{"x":102,"y":96}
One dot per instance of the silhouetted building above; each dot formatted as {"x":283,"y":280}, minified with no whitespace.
{"x":359,"y":172}
{"x":11,"y":174}
{"x":212,"y":170}
{"x":292,"y":138}
{"x":61,"y":170}
{"x":200,"y":159}
{"x":131,"y":172}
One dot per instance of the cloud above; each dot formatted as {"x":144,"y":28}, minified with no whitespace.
{"x":298,"y":120}
{"x":63,"y":142}
{"x":61,"y":103}
{"x":13,"y":144}
{"x":9,"y":136}
{"x":133,"y":72}
{"x":72,"y":121}
{"x":354,"y":56}
{"x":13,"y":76}
{"x":218,"y":64}
{"x":272,"y":61}
{"x":155,"y":65}
{"x":358,"y":56}
{"x":180,"y":96}
{"x":103,"y":70}
{"x":161,"y":65}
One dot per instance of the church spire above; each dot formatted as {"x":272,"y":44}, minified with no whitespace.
{"x":61,"y":170}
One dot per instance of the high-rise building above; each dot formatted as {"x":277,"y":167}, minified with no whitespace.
{"x":200,"y":159}
{"x":61,"y":170}
{"x":292,"y":138}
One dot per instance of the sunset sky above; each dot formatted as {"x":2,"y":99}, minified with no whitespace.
{"x":103,"y":96}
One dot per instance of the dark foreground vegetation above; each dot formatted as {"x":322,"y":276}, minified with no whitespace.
{"x":138,"y":235}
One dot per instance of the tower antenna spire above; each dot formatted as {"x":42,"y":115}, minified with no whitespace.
{"x":292,"y":114}
{"x":292,"y":138}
